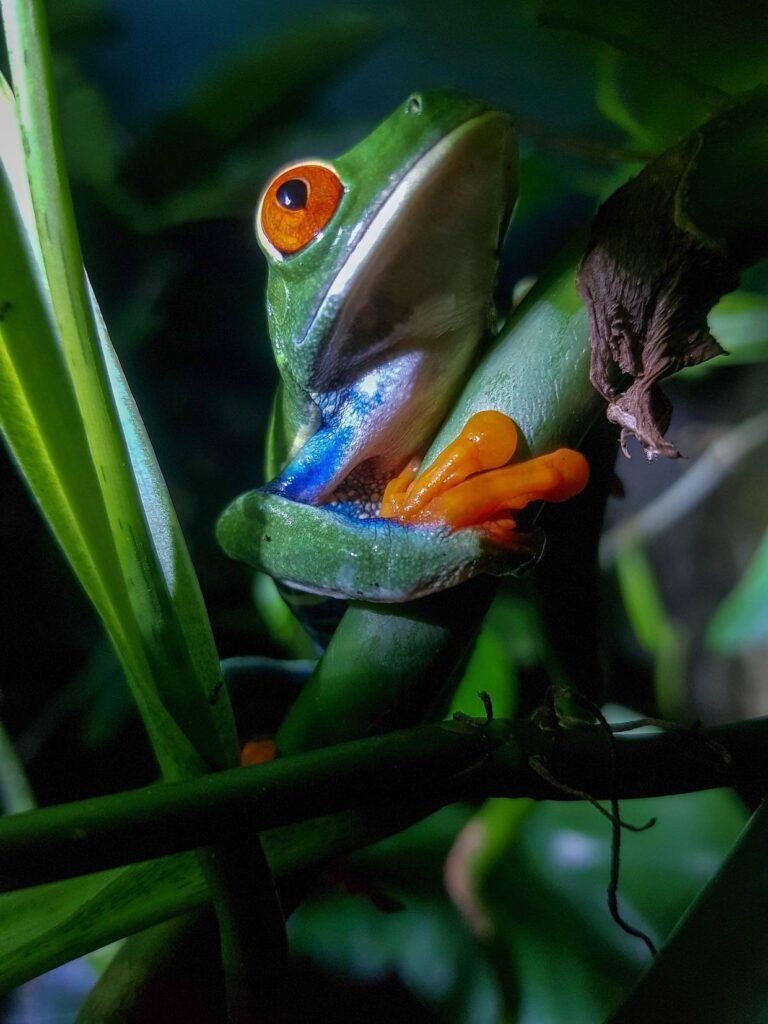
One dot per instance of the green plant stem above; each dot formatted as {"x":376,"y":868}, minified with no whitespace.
{"x":145,"y":823}
{"x":409,"y":656}
{"x":429,"y":766}
{"x":254,"y":946}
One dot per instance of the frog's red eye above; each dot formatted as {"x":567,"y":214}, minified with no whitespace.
{"x":296,"y":206}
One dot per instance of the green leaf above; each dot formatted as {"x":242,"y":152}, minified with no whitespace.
{"x":668,"y":67}
{"x":52,"y":924}
{"x":612,"y":103}
{"x":74,"y":430}
{"x":529,"y":882}
{"x":741,"y":621}
{"x":15,"y":791}
{"x":655,"y":631}
{"x":715,"y":964}
{"x":642,"y":600}
{"x":740,"y":323}
{"x":692,"y":40}
{"x":48,"y":925}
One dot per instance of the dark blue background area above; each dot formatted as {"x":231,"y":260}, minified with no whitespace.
{"x":497,"y":51}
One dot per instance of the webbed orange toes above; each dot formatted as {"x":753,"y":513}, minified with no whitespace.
{"x":488,"y":440}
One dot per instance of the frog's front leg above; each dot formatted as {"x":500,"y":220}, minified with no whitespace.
{"x":313,"y":473}
{"x":341,"y":443}
{"x":385,"y":415}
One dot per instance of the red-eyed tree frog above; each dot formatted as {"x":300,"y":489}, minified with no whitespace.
{"x":382,"y":267}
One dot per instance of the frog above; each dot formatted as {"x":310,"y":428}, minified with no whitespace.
{"x":382,"y":267}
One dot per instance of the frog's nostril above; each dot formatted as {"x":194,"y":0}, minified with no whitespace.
{"x":413,"y":105}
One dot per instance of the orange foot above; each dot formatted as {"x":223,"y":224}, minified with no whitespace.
{"x":470,"y":483}
{"x":257,"y":752}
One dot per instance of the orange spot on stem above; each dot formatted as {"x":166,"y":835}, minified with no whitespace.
{"x":257,"y":752}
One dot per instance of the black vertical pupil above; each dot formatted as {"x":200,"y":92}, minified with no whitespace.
{"x":292,"y":194}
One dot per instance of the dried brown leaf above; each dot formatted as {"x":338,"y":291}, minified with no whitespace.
{"x":649,"y":278}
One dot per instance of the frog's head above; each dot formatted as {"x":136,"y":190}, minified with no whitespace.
{"x":362,"y":250}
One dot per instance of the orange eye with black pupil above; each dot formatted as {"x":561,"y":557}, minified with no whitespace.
{"x":297,"y":205}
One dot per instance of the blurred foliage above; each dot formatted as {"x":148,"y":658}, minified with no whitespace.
{"x":658,"y":633}
{"x":527,"y":900}
{"x":167,"y":157}
{"x":741,"y":621}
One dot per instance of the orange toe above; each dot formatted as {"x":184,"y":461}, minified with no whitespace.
{"x":470,"y":483}
{"x":488,"y":440}
{"x":396,"y":490}
{"x":486,"y":496}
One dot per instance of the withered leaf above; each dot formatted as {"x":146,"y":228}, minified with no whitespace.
{"x":649,"y":278}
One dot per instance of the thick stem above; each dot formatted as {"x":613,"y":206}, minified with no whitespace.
{"x":428,"y":766}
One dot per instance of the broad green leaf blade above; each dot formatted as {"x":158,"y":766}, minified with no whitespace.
{"x":741,"y":621}
{"x":149,"y":597}
{"x":39,"y":414}
{"x":199,"y":661}
{"x":715,"y":964}
{"x":740,"y":323}
{"x":52,"y":924}
{"x":48,"y":925}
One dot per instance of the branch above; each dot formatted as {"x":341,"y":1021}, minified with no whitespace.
{"x":430,"y":766}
